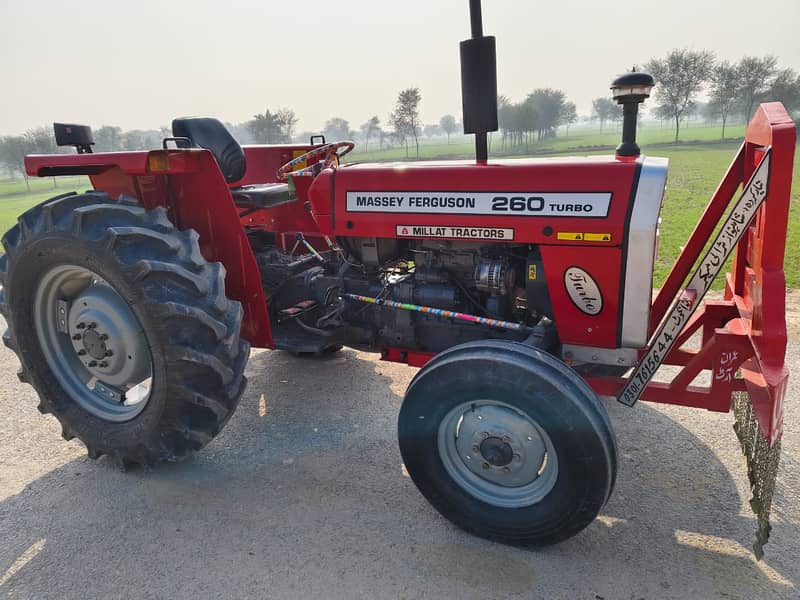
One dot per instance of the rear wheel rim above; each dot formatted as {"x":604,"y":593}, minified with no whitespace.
{"x":92,"y":342}
{"x":497,"y":453}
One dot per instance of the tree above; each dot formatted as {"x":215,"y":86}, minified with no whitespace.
{"x":755,"y":77}
{"x":505,"y":117}
{"x":679,"y":78}
{"x":108,"y":138}
{"x":548,"y":105}
{"x":662,"y":113}
{"x":336,"y":129}
{"x":527,"y":120}
{"x":273,"y":127}
{"x":133,"y":140}
{"x":5,"y":159}
{"x":264,"y":128}
{"x":12,"y":154}
{"x":724,"y":91}
{"x":508,"y":120}
{"x":693,"y":109}
{"x":603,"y":110}
{"x":432,"y":130}
{"x":569,"y":115}
{"x":542,"y":112}
{"x":786,"y":89}
{"x":370,"y":128}
{"x":448,"y":125}
{"x":405,"y":117}
{"x":287,"y":121}
{"x":41,"y":140}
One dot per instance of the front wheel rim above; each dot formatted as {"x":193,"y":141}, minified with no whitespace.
{"x":497,"y":453}
{"x":92,"y":343}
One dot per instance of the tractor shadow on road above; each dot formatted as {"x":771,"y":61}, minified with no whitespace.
{"x":303,"y":495}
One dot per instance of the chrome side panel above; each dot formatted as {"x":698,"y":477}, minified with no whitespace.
{"x":642,"y":240}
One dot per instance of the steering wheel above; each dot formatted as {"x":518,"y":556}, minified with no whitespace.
{"x":331,"y":155}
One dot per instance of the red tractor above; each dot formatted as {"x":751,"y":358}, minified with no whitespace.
{"x":522,"y":288}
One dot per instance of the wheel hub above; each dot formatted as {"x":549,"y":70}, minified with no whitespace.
{"x":93,"y":343}
{"x":107,"y":338}
{"x":497,"y":453}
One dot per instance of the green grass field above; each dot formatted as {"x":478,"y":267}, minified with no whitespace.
{"x":695,"y":170}
{"x":15,"y":199}
{"x":694,"y":173}
{"x":9,"y":187}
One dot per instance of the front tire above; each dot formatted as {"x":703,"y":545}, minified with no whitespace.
{"x":508,"y":443}
{"x":122,"y":327}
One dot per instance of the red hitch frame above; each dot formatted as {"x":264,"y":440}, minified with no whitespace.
{"x":745,"y":332}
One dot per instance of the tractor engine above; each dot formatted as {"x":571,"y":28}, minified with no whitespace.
{"x":307,"y":293}
{"x":425,"y":256}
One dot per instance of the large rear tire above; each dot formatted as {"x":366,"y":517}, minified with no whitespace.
{"x":508,"y":443}
{"x":122,"y":327}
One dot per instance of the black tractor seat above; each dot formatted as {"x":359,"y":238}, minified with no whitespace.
{"x":208,"y":133}
{"x":262,"y":195}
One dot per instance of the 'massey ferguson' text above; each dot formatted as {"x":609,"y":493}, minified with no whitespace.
{"x":552,"y":204}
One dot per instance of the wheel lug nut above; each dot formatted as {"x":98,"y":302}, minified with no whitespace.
{"x":476,"y":449}
{"x":485,"y":465}
{"x":517,"y":457}
{"x":92,"y":363}
{"x":104,"y":364}
{"x":104,"y":336}
{"x":77,"y":336}
{"x":109,"y":353}
{"x":92,"y":325}
{"x":81,"y":352}
{"x":484,"y":435}
{"x":506,"y":439}
{"x":506,"y":469}
{"x":81,"y":325}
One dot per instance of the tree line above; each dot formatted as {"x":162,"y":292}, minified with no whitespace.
{"x":539,"y":116}
{"x":13,"y":149}
{"x":734,"y":88}
{"x":404,"y":126}
{"x":41,"y":140}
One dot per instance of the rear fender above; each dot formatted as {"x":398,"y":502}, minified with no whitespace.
{"x":202,"y":201}
{"x":189,"y":184}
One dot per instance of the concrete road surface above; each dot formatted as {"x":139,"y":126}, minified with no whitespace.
{"x":303,"y":495}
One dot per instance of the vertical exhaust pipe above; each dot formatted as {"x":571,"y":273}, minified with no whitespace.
{"x":479,"y":83}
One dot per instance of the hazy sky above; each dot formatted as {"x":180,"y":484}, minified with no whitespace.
{"x":138,"y":64}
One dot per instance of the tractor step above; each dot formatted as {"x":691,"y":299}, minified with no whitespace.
{"x":298,"y":309}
